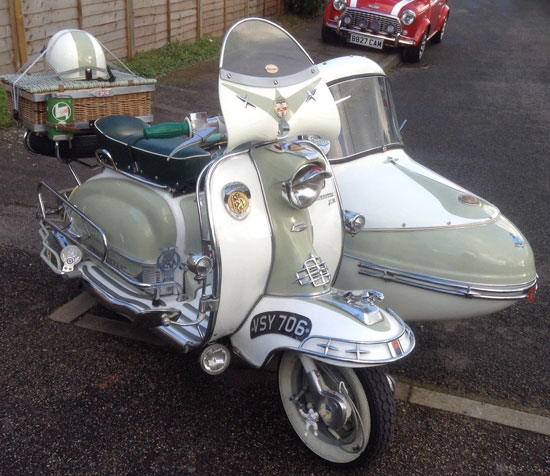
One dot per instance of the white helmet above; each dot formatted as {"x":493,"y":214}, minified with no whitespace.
{"x":75,"y":54}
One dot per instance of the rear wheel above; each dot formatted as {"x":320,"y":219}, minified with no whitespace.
{"x":365,"y":433}
{"x":82,"y":146}
{"x":439,"y":35}
{"x":413,"y":54}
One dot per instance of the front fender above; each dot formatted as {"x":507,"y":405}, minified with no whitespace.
{"x":420,"y":29}
{"x":317,"y":327}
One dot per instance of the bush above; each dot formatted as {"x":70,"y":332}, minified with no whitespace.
{"x":306,"y":8}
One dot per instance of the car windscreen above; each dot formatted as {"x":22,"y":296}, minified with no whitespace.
{"x":367,"y":115}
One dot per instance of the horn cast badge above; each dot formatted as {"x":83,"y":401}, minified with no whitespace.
{"x":236,"y":197}
{"x":281,"y":107}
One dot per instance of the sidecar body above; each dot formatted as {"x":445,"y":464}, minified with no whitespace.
{"x":436,"y":250}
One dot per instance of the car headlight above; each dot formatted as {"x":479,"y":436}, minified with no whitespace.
{"x":305,"y":186}
{"x":408,"y":17}
{"x":339,"y":5}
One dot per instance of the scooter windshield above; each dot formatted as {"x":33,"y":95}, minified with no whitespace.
{"x":256,"y":50}
{"x":270,"y":89}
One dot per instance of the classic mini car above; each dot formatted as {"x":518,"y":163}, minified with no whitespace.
{"x":407,"y":24}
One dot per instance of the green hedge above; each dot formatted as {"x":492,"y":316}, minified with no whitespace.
{"x":306,"y":8}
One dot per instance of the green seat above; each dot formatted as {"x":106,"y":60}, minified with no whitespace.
{"x":123,"y":137}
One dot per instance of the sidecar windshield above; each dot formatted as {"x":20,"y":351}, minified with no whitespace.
{"x":367,"y":115}
{"x":256,"y":49}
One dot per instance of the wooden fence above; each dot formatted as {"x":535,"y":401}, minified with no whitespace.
{"x":123,"y":26}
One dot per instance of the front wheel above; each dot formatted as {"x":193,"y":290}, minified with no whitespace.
{"x":439,"y":35}
{"x":413,"y":54}
{"x":365,"y":433}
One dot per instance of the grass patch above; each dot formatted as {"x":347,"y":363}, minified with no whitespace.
{"x":173,"y":56}
{"x":5,"y":119}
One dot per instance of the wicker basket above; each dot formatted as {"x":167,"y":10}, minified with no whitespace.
{"x":130,"y":96}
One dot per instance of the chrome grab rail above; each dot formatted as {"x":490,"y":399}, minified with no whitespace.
{"x":156,"y":287}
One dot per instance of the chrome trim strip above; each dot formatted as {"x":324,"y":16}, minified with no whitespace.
{"x":446,"y":286}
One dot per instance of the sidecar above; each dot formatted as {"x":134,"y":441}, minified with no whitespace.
{"x":436,"y":250}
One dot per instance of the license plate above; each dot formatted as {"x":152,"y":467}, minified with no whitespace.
{"x":366,"y":41}
{"x":279,"y":322}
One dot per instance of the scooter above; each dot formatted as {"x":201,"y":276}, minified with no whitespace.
{"x":235,"y":250}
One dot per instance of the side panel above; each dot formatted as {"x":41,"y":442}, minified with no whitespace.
{"x":244,"y":245}
{"x":137,"y":221}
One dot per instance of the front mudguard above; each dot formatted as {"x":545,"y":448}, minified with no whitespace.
{"x":321,"y":329}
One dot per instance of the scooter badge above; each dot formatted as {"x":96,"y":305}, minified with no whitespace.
{"x":237,"y":200}
{"x":281,"y":107}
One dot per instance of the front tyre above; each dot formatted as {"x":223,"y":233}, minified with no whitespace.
{"x":328,"y":35}
{"x":413,"y":54}
{"x":365,"y":434}
{"x":439,"y":35}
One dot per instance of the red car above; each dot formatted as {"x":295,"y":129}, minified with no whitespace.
{"x":408,"y":24}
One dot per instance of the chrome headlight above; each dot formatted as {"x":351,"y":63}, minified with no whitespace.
{"x":408,"y":17}
{"x":339,"y":5}
{"x":304,"y":188}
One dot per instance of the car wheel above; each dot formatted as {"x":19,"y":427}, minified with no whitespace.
{"x":328,"y":35}
{"x":439,"y":35}
{"x":414,"y":54}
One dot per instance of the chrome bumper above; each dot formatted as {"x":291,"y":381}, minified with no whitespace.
{"x":395,"y":41}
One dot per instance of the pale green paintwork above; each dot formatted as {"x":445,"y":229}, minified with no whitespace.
{"x":188,"y":207}
{"x":484,"y":254}
{"x":137,"y":221}
{"x":448,"y":197}
{"x":291,"y":248}
{"x":85,"y":49}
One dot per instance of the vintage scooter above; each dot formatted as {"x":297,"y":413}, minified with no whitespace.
{"x":237,"y":251}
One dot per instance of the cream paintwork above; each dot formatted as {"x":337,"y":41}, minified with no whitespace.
{"x":390,"y":199}
{"x":326,"y":323}
{"x":245,"y":250}
{"x":247,"y":123}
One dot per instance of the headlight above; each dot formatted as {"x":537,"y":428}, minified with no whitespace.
{"x":304,"y":188}
{"x":346,"y":20}
{"x":339,"y":5}
{"x":408,"y":17}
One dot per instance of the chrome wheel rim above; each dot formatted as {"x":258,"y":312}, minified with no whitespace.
{"x":353,"y":436}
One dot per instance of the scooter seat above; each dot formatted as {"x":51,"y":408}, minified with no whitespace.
{"x":122,"y":137}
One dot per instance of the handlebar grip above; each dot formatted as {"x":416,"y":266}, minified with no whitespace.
{"x":166,"y":130}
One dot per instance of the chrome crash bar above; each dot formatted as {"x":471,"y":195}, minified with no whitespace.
{"x":102,"y":257}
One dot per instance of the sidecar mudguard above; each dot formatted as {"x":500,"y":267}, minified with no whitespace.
{"x":322,"y":328}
